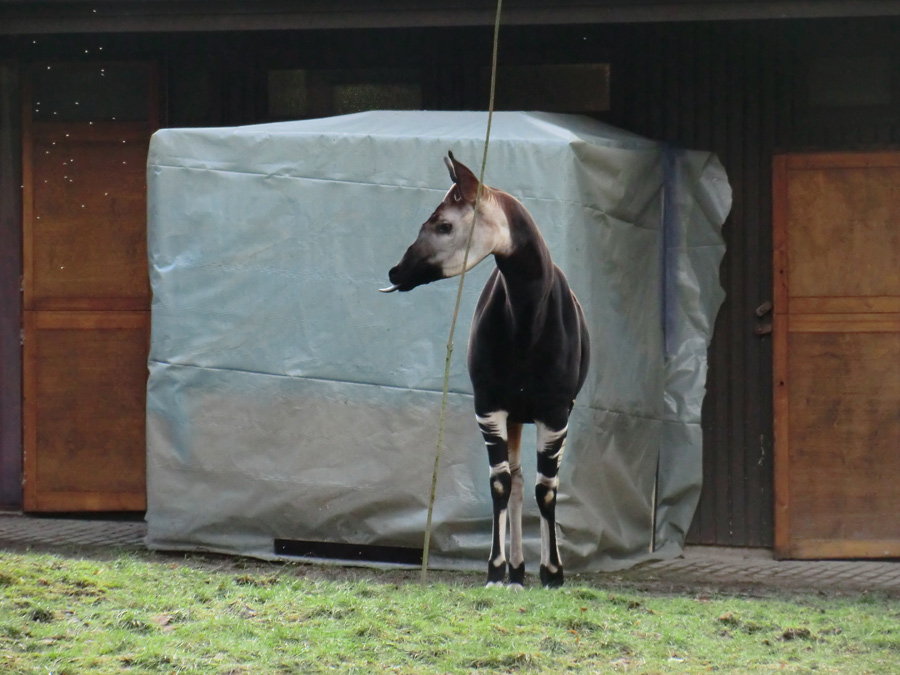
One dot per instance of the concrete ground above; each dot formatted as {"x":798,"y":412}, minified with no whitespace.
{"x":701,"y":568}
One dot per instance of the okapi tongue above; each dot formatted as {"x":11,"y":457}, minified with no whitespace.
{"x":389,"y":289}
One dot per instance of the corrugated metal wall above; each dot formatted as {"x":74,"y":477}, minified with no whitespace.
{"x":741,"y":90}
{"x":737,"y":88}
{"x":712,"y":86}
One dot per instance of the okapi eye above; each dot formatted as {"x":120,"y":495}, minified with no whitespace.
{"x":443,"y":228}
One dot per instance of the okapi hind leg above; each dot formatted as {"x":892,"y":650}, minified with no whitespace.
{"x":551,"y":445}
{"x":493,"y":429}
{"x":516,"y":559}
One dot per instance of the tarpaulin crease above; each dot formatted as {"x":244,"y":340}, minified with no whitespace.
{"x":289,"y":399}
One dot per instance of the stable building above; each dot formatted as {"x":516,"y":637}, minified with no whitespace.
{"x":799,"y":100}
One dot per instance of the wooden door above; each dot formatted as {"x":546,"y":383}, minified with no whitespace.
{"x":837,"y":355}
{"x":86,"y":290}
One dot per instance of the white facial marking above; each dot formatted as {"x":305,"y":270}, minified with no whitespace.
{"x":491,"y":235}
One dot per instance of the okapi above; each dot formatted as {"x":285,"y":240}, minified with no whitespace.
{"x":528,"y":351}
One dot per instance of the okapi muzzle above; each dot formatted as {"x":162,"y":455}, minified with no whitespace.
{"x":414,"y":269}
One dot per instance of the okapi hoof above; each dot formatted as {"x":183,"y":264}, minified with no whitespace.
{"x":551,"y":579}
{"x":517,"y":575}
{"x":496,"y":575}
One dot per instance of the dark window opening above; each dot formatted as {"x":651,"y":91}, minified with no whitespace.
{"x":850,"y":82}
{"x":570,"y":88}
{"x":298,"y":93}
{"x":81,"y":92}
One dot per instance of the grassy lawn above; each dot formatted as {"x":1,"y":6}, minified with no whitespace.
{"x":161,"y":614}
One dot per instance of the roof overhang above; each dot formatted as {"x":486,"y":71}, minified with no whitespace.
{"x":128,"y":16}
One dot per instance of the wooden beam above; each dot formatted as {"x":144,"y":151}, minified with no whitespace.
{"x":843,"y":549}
{"x":844,"y":323}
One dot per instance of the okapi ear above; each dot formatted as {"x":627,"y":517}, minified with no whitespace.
{"x":449,"y":162}
{"x":465,"y":180}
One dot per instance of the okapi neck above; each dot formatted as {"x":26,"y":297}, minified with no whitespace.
{"x":529,"y":264}
{"x":528,"y":259}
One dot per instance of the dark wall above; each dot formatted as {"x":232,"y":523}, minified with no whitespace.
{"x":745,"y":90}
{"x":10,"y":296}
{"x":721,"y":87}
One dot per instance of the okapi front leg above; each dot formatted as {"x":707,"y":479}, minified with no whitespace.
{"x":493,"y":428}
{"x":550,"y":446}
{"x":516,"y":559}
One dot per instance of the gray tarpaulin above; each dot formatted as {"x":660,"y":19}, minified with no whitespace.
{"x":289,"y":399}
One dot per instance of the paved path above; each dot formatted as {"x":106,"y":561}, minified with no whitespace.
{"x":707,"y":566}
{"x":700,"y":567}
{"x":39,"y":533}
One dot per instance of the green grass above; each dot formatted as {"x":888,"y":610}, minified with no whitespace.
{"x":156,"y":614}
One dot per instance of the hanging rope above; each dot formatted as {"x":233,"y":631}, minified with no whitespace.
{"x":462,"y":278}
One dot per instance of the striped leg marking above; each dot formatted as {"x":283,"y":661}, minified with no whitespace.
{"x":493,"y":429}
{"x":551,"y":445}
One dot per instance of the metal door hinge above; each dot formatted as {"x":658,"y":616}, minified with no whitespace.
{"x":764,"y":327}
{"x":764,"y":308}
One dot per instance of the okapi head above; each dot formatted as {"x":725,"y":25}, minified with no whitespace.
{"x":439,"y":250}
